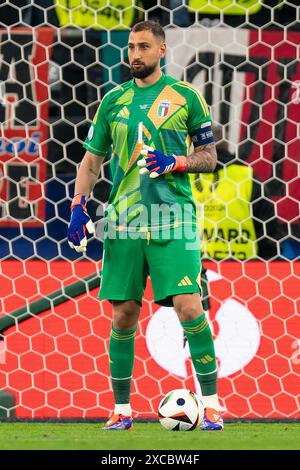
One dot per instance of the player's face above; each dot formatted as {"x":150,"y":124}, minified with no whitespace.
{"x":144,"y":53}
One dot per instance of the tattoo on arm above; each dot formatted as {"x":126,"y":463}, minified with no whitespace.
{"x":203,"y":160}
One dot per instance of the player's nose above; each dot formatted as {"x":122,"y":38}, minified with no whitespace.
{"x":136,"y":54}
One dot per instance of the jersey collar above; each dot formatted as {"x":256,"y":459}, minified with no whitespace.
{"x":145,"y":89}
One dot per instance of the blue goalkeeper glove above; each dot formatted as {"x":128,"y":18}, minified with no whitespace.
{"x":79,"y":223}
{"x":158,"y":164}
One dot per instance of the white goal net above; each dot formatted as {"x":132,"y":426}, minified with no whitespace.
{"x":58,"y":59}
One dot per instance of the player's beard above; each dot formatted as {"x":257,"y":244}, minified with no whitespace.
{"x":143,"y":72}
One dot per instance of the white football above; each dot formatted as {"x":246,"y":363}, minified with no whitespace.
{"x":180,"y":410}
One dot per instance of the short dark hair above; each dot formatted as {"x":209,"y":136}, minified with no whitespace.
{"x":150,"y":25}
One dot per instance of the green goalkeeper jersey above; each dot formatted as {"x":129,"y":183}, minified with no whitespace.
{"x":169,"y":110}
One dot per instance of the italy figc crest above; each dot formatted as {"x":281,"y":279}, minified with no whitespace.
{"x":163,"y":108}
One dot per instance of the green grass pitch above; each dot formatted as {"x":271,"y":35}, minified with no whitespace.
{"x":90,"y":436}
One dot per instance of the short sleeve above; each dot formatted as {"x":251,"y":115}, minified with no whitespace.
{"x":198,"y":110}
{"x":98,"y":139}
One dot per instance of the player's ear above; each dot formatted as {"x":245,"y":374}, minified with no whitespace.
{"x":162,"y":50}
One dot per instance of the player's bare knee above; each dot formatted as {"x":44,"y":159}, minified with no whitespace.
{"x":188,"y":306}
{"x":124,"y":323}
{"x":125,"y":315}
{"x":188,"y":312}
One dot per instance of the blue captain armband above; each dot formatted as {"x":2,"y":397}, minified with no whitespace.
{"x":203,"y":135}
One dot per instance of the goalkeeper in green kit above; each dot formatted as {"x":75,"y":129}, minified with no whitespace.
{"x":151,"y":226}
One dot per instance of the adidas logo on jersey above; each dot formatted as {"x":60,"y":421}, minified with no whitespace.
{"x":185,"y":282}
{"x":123,"y":113}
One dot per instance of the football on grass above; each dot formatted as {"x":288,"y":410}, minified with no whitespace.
{"x":180,"y":410}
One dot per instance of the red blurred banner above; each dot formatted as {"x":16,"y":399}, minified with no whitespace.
{"x":25,"y":55}
{"x":57,"y":363}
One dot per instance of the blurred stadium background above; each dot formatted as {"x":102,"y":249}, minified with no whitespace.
{"x":58,"y":58}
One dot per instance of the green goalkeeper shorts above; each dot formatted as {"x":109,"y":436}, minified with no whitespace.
{"x":174,"y":267}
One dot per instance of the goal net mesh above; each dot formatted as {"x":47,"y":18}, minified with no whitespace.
{"x":58,"y":59}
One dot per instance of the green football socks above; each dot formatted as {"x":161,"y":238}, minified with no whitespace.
{"x":200,"y":340}
{"x":121,"y":357}
{"x":202,"y":350}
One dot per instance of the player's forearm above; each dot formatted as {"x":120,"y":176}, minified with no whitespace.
{"x":85,"y":182}
{"x":88,"y":174}
{"x":204,"y":160}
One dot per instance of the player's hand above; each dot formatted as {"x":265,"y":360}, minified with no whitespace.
{"x":156,"y":163}
{"x":79,"y":223}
